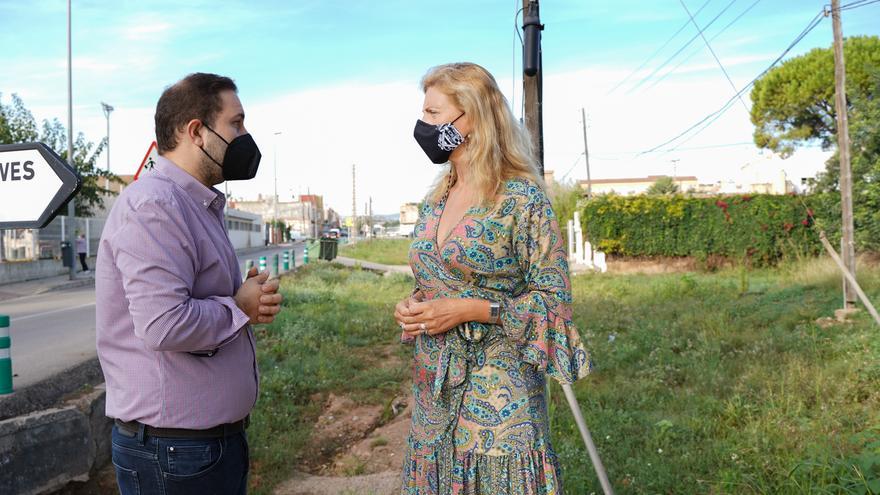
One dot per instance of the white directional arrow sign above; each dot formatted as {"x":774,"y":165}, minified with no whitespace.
{"x":34,"y":184}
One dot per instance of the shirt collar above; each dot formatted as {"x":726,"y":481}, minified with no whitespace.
{"x":206,"y":196}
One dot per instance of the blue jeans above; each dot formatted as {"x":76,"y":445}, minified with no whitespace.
{"x":170,"y":466}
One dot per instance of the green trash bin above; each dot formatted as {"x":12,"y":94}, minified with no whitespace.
{"x":326,"y":252}
{"x":334,"y":248}
{"x":329,"y":248}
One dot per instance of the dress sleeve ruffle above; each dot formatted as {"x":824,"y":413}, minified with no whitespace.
{"x":538,"y":319}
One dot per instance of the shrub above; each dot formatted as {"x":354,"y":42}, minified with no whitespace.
{"x":759,"y":230}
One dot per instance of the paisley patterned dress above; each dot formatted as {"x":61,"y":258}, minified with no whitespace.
{"x":480,"y":421}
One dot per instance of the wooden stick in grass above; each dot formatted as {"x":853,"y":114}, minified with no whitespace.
{"x":849,"y":276}
{"x":588,"y":440}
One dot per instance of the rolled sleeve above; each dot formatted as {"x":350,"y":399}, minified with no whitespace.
{"x":156,"y":258}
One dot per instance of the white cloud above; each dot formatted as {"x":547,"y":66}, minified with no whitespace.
{"x":92,"y":65}
{"x":325,"y":130}
{"x":141,"y":32}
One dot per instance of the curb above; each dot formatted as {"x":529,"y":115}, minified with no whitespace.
{"x":72,"y":284}
{"x":49,"y":392}
{"x":376,"y":267}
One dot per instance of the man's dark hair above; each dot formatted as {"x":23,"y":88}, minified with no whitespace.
{"x":196,"y":96}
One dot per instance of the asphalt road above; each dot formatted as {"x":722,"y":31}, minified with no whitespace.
{"x":55,"y":331}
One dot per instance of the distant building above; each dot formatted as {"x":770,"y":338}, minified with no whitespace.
{"x":245,"y":229}
{"x":761,"y":184}
{"x":634,"y":186}
{"x":304,"y":217}
{"x":332,"y":219}
{"x":409,"y":215}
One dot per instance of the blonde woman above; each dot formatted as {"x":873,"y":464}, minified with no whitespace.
{"x":491,"y":314}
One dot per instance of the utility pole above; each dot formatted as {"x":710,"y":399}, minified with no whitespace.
{"x":302,"y":216}
{"x":354,"y":222}
{"x":107,"y":109}
{"x":533,"y":74}
{"x":587,"y":155}
{"x":71,"y":206}
{"x":847,"y":244}
{"x":370,"y":214}
{"x":313,"y":220}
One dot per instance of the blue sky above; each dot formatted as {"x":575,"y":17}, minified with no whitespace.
{"x":336,"y":65}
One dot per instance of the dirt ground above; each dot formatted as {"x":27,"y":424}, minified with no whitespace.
{"x":370,"y":463}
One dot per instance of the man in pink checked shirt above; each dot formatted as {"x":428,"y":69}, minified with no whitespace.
{"x":174,"y":318}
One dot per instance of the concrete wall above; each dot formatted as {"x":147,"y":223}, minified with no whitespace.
{"x":22,"y":271}
{"x":44,"y":450}
{"x":242,"y":239}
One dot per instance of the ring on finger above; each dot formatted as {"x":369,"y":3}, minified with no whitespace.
{"x":402,"y":325}
{"x":423,"y":327}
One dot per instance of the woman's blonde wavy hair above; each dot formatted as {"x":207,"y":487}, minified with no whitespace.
{"x":498,"y":146}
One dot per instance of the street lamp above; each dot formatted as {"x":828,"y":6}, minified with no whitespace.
{"x":71,"y":206}
{"x":107,"y":109}
{"x":275,"y":196}
{"x":675,"y":172}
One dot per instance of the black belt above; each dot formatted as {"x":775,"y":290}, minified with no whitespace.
{"x":133,"y":427}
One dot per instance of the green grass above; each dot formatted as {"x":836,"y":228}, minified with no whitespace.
{"x":384,"y":251}
{"x":702,"y":387}
{"x":703,"y":383}
{"x":323,"y":341}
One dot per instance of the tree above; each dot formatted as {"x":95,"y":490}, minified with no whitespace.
{"x":18,"y":125}
{"x":566,"y":198}
{"x":663,"y":186}
{"x":864,"y":128}
{"x":793,"y":104}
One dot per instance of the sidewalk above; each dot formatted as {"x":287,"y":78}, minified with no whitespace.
{"x":63,"y":282}
{"x":368,"y":265}
{"x":43,"y":285}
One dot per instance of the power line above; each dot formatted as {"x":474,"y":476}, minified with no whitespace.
{"x":522,"y":110}
{"x":725,"y":28}
{"x":709,"y":46}
{"x":687,"y":44}
{"x":657,"y":51}
{"x":712,"y":117}
{"x":855,"y":5}
{"x":599,"y":154}
{"x":513,"y":62}
{"x":851,"y":5}
{"x":572,"y":166}
{"x":729,"y":103}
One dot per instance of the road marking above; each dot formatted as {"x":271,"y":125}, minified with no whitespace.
{"x":37,"y":315}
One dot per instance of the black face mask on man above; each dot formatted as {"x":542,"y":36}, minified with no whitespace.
{"x":438,"y":141}
{"x":241,"y":159}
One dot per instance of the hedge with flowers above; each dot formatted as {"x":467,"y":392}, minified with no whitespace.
{"x":756,"y":229}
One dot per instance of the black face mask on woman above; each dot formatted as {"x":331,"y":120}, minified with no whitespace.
{"x":241,"y":159}
{"x":438,"y":141}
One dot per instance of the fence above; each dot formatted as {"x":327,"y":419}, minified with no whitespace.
{"x":45,"y":243}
